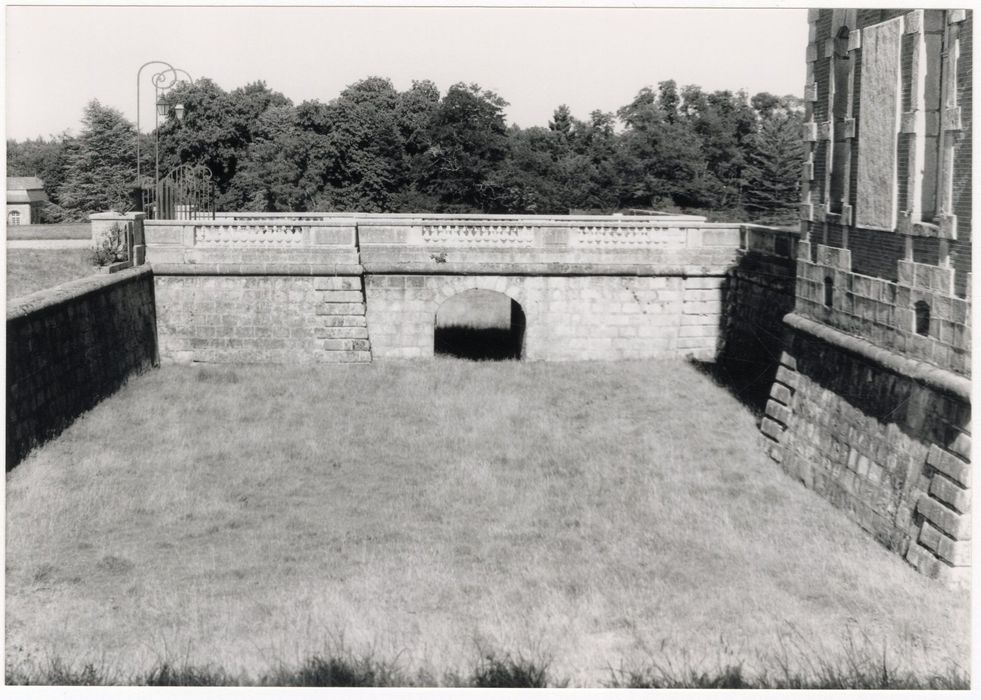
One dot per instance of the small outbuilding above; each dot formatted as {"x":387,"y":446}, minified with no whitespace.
{"x":25,"y":196}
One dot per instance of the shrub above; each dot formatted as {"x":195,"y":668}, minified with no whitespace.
{"x":58,"y":672}
{"x":112,"y":248}
{"x":168,"y":675}
{"x":337,"y":671}
{"x":508,"y":672}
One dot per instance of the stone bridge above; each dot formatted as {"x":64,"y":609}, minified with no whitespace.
{"x":352,"y":287}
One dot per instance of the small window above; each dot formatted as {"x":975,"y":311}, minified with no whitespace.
{"x":922,"y":312}
{"x":14,"y":218}
{"x":829,"y":291}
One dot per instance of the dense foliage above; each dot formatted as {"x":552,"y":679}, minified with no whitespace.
{"x":374,"y":148}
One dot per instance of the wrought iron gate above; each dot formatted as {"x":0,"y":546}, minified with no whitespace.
{"x":187,"y":192}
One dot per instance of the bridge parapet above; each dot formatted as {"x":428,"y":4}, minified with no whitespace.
{"x":368,"y":216}
{"x":284,"y":246}
{"x":770,"y":240}
{"x":567,"y":245}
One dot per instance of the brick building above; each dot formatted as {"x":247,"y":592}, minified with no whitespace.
{"x":871,"y":403}
{"x":25,"y":195}
{"x":887,"y":182}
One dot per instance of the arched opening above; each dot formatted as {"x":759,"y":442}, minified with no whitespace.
{"x":13,"y":218}
{"x":829,"y":291}
{"x":922,"y":312}
{"x":480,"y":324}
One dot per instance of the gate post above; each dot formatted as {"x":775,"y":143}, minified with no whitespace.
{"x":133,"y":225}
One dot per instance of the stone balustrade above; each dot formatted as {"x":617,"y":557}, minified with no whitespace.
{"x":242,"y":246}
{"x":367,"y":216}
{"x":557,"y":245}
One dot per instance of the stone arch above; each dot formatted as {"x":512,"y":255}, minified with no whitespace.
{"x":456,"y":285}
{"x":478,"y":322}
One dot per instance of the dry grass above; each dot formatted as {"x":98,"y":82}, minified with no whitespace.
{"x":31,"y":271}
{"x":596,"y":515}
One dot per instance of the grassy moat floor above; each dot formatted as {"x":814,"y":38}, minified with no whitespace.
{"x":602,"y":517}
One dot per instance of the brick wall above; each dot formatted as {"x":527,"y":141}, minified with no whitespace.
{"x":875,"y":253}
{"x":70,"y":346}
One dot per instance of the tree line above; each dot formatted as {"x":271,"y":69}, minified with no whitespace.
{"x":376,"y":149}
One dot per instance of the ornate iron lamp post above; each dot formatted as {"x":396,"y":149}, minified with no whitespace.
{"x":162,"y":81}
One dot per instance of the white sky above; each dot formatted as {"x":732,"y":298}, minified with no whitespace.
{"x":59,"y":58}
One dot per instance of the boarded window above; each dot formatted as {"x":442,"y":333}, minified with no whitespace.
{"x":931,"y":140}
{"x":878,"y":129}
{"x":841,"y":69}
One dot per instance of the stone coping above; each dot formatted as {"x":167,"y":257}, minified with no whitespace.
{"x":117,"y":216}
{"x":471,"y":269}
{"x":250,"y":222}
{"x":409,"y":216}
{"x":606,"y":222}
{"x":483,"y":220}
{"x":547,"y":269}
{"x":792,"y":230}
{"x":68,"y":291}
{"x":932,"y":376}
{"x":257,"y":269}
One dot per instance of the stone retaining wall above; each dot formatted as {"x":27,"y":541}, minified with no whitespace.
{"x":567,"y":317}
{"x":759,"y":293}
{"x":261,"y":318}
{"x":884,"y":438}
{"x":71,"y":346}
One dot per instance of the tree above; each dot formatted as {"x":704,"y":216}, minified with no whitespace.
{"x":592,"y":167}
{"x":217,"y":129}
{"x":562,"y":121}
{"x":41,"y":158}
{"x":531,"y":180}
{"x":660,"y":155}
{"x":269,"y":176}
{"x":773,"y":170}
{"x":45,"y":159}
{"x":364,"y":147}
{"x":723,"y":122}
{"x":765,"y":104}
{"x":469,"y":139}
{"x":376,"y":149}
{"x":100,"y":166}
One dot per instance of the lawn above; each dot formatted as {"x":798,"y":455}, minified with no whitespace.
{"x":49,"y":232}
{"x":33,"y":270}
{"x":595,"y":515}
